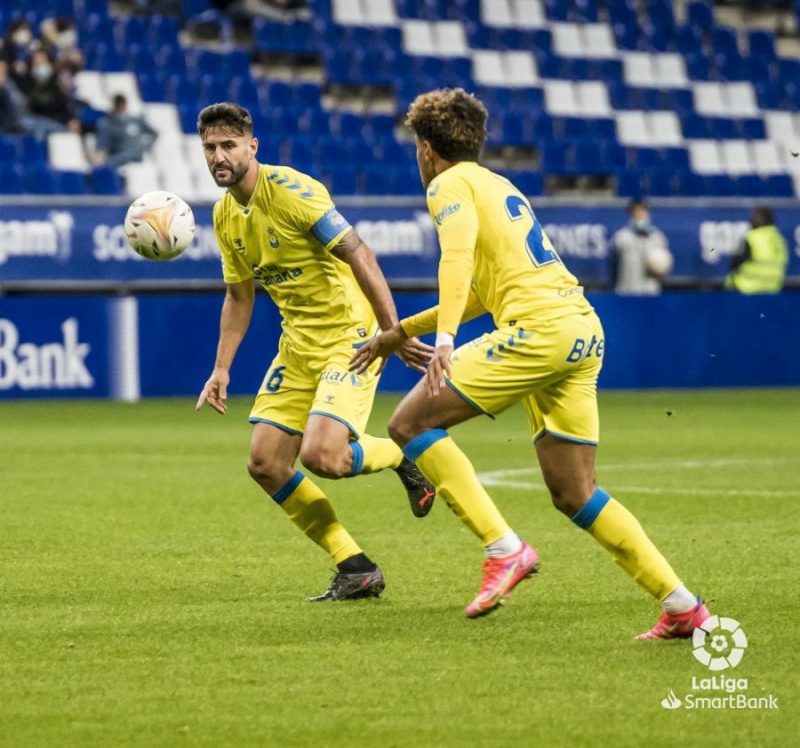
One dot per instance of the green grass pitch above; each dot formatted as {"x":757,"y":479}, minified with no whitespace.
{"x":151,"y":596}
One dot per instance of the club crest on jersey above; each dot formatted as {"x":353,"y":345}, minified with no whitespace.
{"x":273,"y":238}
{"x":239,"y":242}
{"x":448,"y":210}
{"x":362,"y":333}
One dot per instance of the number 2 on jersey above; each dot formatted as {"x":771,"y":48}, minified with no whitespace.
{"x":540,"y":249}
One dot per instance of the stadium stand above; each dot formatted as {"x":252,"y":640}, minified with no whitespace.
{"x":636,"y":96}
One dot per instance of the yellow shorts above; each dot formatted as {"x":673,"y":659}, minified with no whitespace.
{"x":552,"y":367}
{"x":301,"y":384}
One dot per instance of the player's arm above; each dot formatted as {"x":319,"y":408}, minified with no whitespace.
{"x":362,"y":261}
{"x":427,"y":321}
{"x":237,"y":310}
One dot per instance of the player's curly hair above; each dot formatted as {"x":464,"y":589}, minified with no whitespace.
{"x":226,"y":115}
{"x":452,"y":121}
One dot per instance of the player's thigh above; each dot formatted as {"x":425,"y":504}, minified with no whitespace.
{"x":286,"y":394}
{"x":273,"y":452}
{"x":417,"y":412}
{"x":568,"y":471}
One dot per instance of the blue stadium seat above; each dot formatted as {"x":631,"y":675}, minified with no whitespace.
{"x":543,"y":127}
{"x":71,"y":182}
{"x":587,"y":158}
{"x":661,"y":183}
{"x":645,"y":158}
{"x":163,"y":30}
{"x":106,"y":182}
{"x":171,"y":60}
{"x":602,"y":129}
{"x":12,"y":181}
{"x":96,"y":28}
{"x":762,"y":45}
{"x":749,"y":185}
{"x":130,"y":30}
{"x":751,"y":129}
{"x":105,"y":57}
{"x":723,"y":128}
{"x":554,"y":157}
{"x":631,"y":183}
{"x":583,"y":10}
{"x":31,"y":151}
{"x":40,"y":180}
{"x":720,"y":185}
{"x":690,"y":184}
{"x":768,"y":95}
{"x":529,"y":183}
{"x":695,"y":127}
{"x":676,"y":159}
{"x":697,"y":66}
{"x":700,"y":15}
{"x":778,"y":185}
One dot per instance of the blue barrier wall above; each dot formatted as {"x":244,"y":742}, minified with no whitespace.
{"x":86,"y":243}
{"x":83,"y":346}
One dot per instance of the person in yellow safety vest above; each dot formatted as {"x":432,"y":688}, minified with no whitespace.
{"x":760,"y":264}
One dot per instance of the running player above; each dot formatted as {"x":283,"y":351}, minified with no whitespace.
{"x":545,"y":352}
{"x":280,"y":227}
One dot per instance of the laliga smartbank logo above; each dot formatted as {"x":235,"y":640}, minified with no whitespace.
{"x":719,"y":644}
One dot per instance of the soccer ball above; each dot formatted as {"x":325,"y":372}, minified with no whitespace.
{"x":159,"y":225}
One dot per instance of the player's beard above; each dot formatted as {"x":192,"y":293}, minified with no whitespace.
{"x":235,"y":174}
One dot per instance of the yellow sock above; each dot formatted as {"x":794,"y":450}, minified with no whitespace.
{"x":310,"y":510}
{"x":371,"y":454}
{"x":620,"y":533}
{"x":448,"y":468}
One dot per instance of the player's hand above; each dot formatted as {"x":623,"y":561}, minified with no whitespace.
{"x":381,"y":346}
{"x":437,"y":368}
{"x":215,"y":392}
{"x":416,"y":354}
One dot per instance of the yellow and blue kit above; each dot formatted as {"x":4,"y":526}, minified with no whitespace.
{"x":283,"y":238}
{"x":548,"y":346}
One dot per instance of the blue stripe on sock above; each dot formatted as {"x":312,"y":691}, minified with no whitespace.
{"x":358,"y":458}
{"x":419,"y":444}
{"x":589,"y":511}
{"x":287,"y":489}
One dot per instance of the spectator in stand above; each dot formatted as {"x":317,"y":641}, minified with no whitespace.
{"x":760,"y":264}
{"x":50,"y":108}
{"x":12,"y":102}
{"x":60,"y":40}
{"x":640,"y":255}
{"x":122,"y":137}
{"x":18,"y":45}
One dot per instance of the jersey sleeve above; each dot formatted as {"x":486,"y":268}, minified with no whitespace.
{"x":234,"y":268}
{"x":452,"y":207}
{"x":309,"y":205}
{"x":427,"y":320}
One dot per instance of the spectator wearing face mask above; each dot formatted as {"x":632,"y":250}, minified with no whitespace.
{"x":50,"y":109}
{"x":17,"y":47}
{"x":640,"y":255}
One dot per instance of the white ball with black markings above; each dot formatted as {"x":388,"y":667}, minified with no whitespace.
{"x":159,"y":225}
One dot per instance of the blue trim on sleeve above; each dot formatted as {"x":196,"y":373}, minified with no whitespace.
{"x":589,"y":511}
{"x":288,"y":488}
{"x":331,"y":225}
{"x":420,"y":443}
{"x":358,"y":458}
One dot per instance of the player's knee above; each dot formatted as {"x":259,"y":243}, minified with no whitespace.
{"x":261,"y":470}
{"x":325,"y":462}
{"x":400,"y":429}
{"x":569,"y":501}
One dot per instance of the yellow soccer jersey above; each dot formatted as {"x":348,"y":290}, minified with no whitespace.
{"x":283,"y":237}
{"x":491,"y":240}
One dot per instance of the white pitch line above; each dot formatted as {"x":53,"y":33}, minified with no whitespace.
{"x":515,"y":478}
